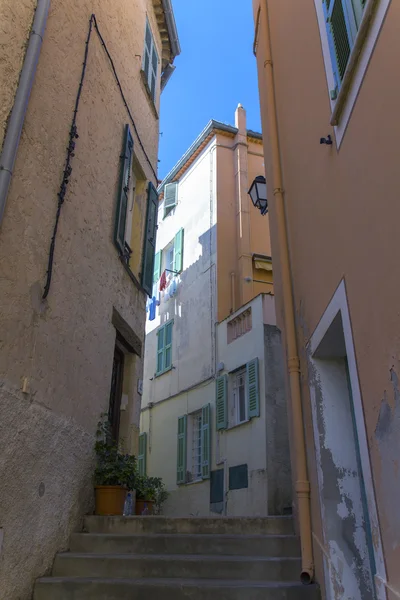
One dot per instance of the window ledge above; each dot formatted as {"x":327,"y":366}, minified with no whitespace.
{"x":195,"y":482}
{"x":132,"y":276}
{"x":148,"y":92}
{"x":163,"y":372}
{"x":238,"y":425}
{"x":353,"y":61}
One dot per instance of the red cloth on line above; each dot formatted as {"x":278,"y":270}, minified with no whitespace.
{"x":163,"y":281}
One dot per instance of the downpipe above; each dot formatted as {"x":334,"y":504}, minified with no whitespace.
{"x":17,"y":117}
{"x":302,"y":483}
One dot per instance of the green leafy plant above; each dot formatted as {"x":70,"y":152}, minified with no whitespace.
{"x":113,"y":467}
{"x":151,"y":489}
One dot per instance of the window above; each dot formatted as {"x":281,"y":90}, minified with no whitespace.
{"x":170,"y":198}
{"x":128,"y":220}
{"x":171,"y":258}
{"x":239,"y":325}
{"x":164,"y":348}
{"x":343,"y":18}
{"x":237,"y":396}
{"x":150,"y":61}
{"x":194,"y":446}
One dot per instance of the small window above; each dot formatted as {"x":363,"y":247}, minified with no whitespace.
{"x":150,"y":61}
{"x":239,"y":400}
{"x":194,"y":446}
{"x":170,"y":198}
{"x":343,"y":18}
{"x":164,"y":348}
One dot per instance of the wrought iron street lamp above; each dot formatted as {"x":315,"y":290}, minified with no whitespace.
{"x":258,"y":194}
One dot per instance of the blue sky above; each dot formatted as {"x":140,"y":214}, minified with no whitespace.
{"x":215,"y":71}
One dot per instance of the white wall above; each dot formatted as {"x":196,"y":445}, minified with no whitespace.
{"x":193,"y":307}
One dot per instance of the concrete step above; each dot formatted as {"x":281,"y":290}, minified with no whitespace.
{"x":239,"y":545}
{"x":251,"y":568}
{"x":53,"y":588}
{"x":201,"y":525}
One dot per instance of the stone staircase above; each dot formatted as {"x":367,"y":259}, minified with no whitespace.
{"x":160,"y":558}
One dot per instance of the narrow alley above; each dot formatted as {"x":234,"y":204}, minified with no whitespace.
{"x":199,"y":322}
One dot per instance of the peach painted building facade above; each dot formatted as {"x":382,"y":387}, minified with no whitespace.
{"x":72,"y":314}
{"x":329,"y":103}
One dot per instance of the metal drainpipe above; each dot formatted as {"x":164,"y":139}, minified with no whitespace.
{"x":17,"y":117}
{"x":302,"y":483}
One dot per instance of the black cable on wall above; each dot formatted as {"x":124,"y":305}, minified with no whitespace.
{"x":73,"y":135}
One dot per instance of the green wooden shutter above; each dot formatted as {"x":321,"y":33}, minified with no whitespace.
{"x":178,"y":254}
{"x":149,"y":247}
{"x":221,"y":409}
{"x":253,"y":391}
{"x":170,"y":197}
{"x":339,"y":34}
{"x":205,"y":441}
{"x":157,"y":266}
{"x":181,"y":456}
{"x":168,"y":346}
{"x":142,"y":456}
{"x":160,"y":350}
{"x":123,"y":191}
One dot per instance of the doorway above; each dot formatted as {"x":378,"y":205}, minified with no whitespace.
{"x":114,"y":411}
{"x":354,"y":566}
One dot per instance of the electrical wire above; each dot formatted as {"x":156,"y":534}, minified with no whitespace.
{"x":73,"y":135}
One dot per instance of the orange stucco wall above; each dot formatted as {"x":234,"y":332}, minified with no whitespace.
{"x":342,"y":214}
{"x":254,"y":231}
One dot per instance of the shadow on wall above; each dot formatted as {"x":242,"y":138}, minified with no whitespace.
{"x":194,"y":304}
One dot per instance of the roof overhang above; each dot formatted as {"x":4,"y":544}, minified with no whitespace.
{"x":168,"y":31}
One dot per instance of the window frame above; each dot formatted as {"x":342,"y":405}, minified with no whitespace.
{"x":368,"y":32}
{"x":150,"y":52}
{"x":190,"y":462}
{"x":235,"y":397}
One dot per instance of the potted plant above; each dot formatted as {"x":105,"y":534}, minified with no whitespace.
{"x":150,"y":495}
{"x":114,"y":475}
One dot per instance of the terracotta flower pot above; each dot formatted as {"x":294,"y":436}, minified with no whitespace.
{"x":110,"y":499}
{"x":144,"y":507}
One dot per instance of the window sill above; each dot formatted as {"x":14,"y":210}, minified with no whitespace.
{"x":148,"y":92}
{"x":238,"y":425}
{"x":340,"y":102}
{"x":164,"y":372}
{"x":189,"y":483}
{"x":132,"y":276}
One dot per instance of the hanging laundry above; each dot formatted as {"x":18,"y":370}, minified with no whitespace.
{"x":163,"y":281}
{"x":153,"y":306}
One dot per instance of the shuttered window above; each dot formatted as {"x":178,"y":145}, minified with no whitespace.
{"x":150,"y":61}
{"x":178,"y":252}
{"x":164,"y":348}
{"x":253,"y":391}
{"x":205,"y":441}
{"x":149,"y":246}
{"x":170,"y":197}
{"x":221,"y":397}
{"x":142,"y":456}
{"x":181,"y":450}
{"x":123,"y":191}
{"x":343,"y":18}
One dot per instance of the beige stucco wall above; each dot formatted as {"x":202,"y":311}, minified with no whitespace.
{"x":15,"y":23}
{"x":64,"y":346}
{"x":342,"y":216}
